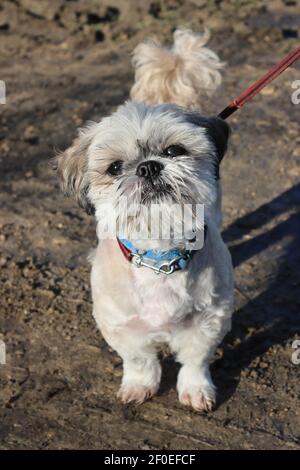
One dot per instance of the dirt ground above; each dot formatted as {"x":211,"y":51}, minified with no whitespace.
{"x":65,"y":62}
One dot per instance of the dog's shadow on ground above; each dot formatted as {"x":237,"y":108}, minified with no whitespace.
{"x":272,"y":315}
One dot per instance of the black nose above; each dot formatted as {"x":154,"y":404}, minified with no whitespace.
{"x":149,"y":169}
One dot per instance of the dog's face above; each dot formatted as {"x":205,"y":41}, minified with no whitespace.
{"x":148,"y":155}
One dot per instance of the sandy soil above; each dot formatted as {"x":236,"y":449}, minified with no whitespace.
{"x":65,"y":62}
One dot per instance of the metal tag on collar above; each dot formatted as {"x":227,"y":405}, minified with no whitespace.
{"x":167,"y":267}
{"x":137,"y":260}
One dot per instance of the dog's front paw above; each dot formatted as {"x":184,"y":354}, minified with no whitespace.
{"x":198,"y":399}
{"x":196,"y":389}
{"x":135,"y":393}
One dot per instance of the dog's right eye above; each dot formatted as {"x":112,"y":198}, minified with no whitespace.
{"x":115,"y":168}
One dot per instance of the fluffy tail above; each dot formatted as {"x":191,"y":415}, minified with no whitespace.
{"x":182,"y":74}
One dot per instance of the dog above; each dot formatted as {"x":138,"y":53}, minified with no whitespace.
{"x":158,"y":149}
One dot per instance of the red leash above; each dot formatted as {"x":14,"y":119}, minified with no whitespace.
{"x":260,"y":84}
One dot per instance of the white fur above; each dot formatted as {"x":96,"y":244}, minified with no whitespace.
{"x":136,"y":309}
{"x":190,"y":310}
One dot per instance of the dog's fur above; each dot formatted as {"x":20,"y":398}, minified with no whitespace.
{"x":136,"y":309}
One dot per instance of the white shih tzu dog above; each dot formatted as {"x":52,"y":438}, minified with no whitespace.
{"x":158,"y":150}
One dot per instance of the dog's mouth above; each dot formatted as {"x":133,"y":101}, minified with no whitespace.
{"x":156,"y":191}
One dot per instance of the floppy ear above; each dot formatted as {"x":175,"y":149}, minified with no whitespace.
{"x":218,"y":132}
{"x":71,"y":166}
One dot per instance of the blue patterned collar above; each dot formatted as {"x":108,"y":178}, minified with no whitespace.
{"x":165,"y":262}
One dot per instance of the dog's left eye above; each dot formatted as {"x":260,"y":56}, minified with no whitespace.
{"x":174,"y":151}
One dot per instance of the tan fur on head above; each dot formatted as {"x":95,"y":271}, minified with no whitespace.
{"x":71,"y":167}
{"x":182,"y":74}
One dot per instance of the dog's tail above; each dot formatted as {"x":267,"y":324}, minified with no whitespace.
{"x":182,"y":74}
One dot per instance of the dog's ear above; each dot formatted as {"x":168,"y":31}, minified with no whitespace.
{"x":218,"y":132}
{"x":71,"y":167}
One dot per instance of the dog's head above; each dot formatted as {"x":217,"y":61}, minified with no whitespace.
{"x":149,"y":155}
